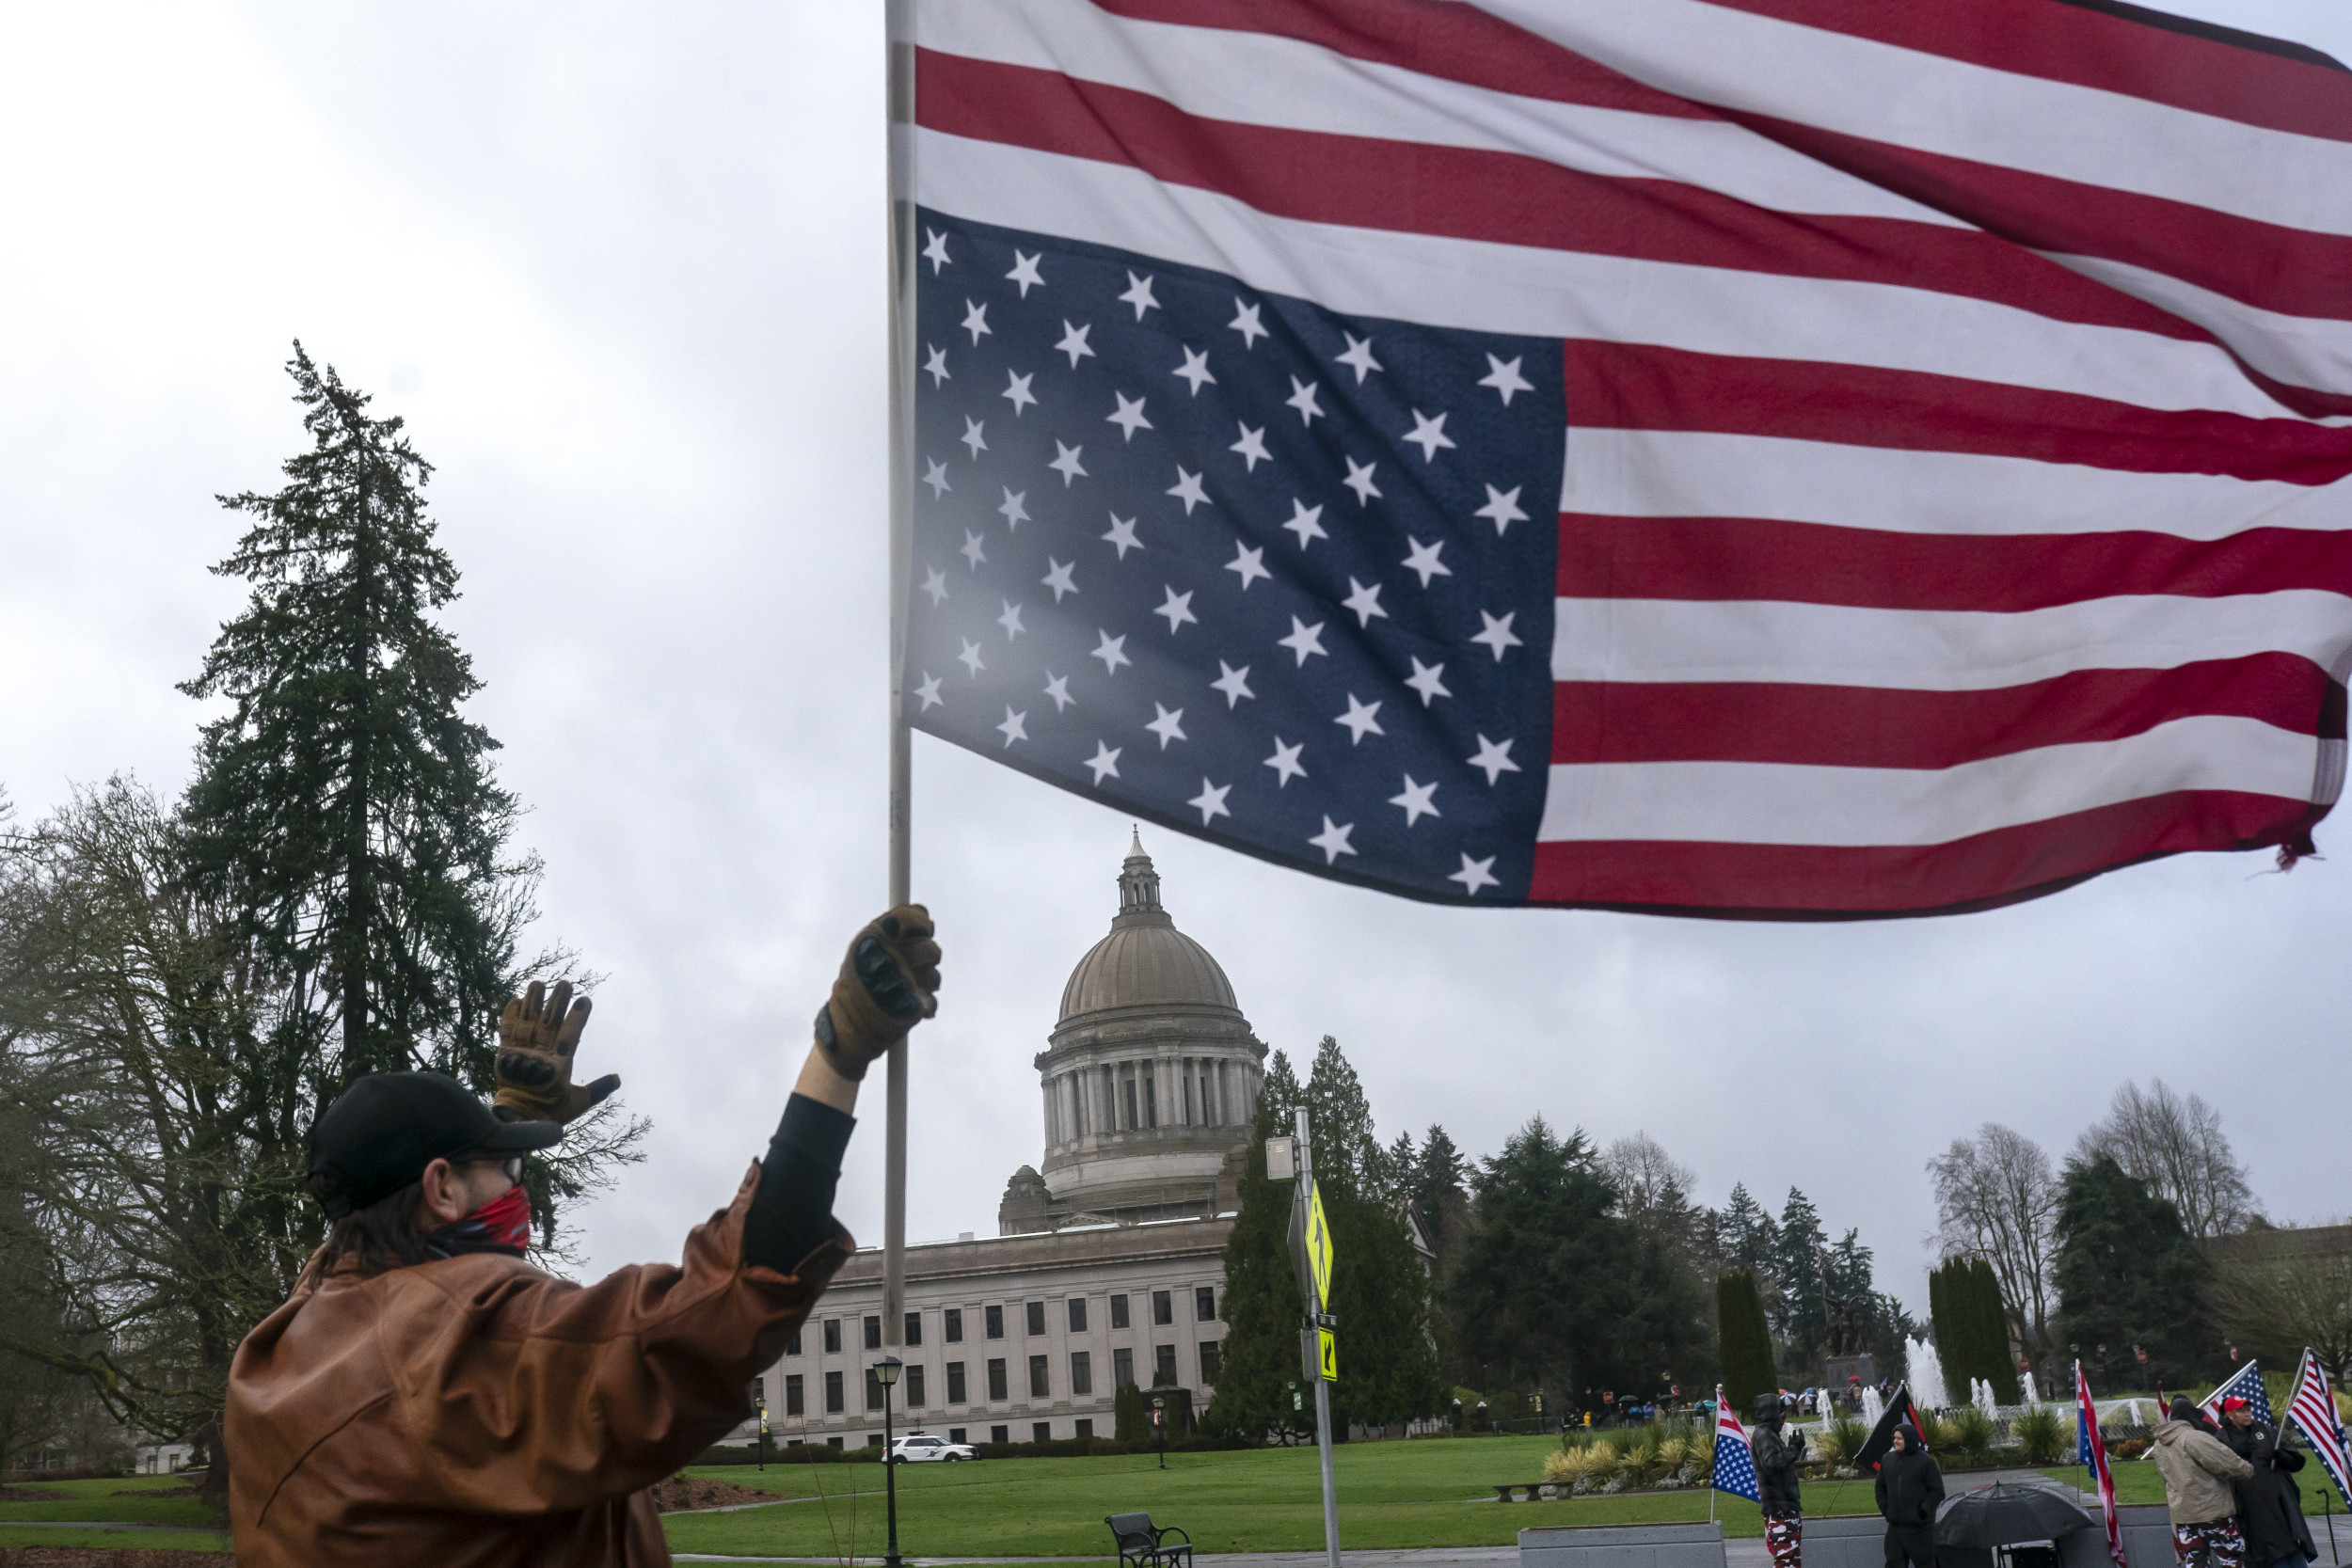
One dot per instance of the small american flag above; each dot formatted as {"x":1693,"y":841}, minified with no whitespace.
{"x":1734,"y":1463}
{"x":1796,"y":458}
{"x":2091,"y":1452}
{"x":2313,"y":1411}
{"x":2245,"y":1384}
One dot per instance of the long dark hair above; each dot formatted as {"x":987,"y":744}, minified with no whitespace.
{"x":381,"y":1237}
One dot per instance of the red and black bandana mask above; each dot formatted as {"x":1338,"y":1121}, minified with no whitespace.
{"x":501,"y":1225}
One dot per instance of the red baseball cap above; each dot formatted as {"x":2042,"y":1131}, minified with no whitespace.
{"x":2233,"y":1402}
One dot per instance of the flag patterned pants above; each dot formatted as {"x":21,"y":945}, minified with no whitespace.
{"x":1783,"y":1537}
{"x":2216,"y":1545}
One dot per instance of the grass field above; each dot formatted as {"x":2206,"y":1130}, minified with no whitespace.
{"x":153,"y":1539}
{"x":1430,"y":1492}
{"x":124,"y":1500}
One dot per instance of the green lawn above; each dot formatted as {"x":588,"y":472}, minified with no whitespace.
{"x":153,"y":1539}
{"x":1429,"y":1492}
{"x":99,"y":1501}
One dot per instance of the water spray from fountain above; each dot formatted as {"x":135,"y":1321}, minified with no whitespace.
{"x":1927,"y":1377}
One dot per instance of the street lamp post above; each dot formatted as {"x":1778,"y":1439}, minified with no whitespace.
{"x":888,"y":1370}
{"x":1159,"y":1419}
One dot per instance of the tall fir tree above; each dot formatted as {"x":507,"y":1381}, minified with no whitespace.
{"x":1379,"y":1287}
{"x":1440,"y":1197}
{"x":2129,"y":1278}
{"x":1744,"y":1337}
{"x":1746,"y":1237}
{"x":347,"y":808}
{"x":1260,"y":1364}
{"x":1799,"y":1317}
{"x":345,"y":801}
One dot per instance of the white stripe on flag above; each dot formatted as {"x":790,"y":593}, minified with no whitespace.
{"x":1749,"y":802}
{"x":1862,"y":87}
{"x":1540,"y":292}
{"x":1259,"y":79}
{"x":1673,"y":473}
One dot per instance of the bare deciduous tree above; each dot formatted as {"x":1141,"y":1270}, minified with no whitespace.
{"x":2175,"y":1145}
{"x":1996,"y":1197}
{"x":1654,"y":1192}
{"x":2279,"y":1293}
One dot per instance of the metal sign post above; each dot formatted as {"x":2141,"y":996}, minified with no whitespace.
{"x":1320,"y":1363}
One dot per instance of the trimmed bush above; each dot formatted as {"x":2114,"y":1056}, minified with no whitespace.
{"x":1745,"y":1341}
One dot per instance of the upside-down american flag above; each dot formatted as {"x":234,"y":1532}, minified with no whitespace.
{"x":2312,"y":1410}
{"x":2090,"y":1451}
{"x":1797,"y":458}
{"x":1735,"y":1462}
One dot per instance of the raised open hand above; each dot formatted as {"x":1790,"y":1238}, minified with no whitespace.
{"x":537,"y":1034}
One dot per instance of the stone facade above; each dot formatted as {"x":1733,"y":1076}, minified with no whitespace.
{"x":1110,"y":1261}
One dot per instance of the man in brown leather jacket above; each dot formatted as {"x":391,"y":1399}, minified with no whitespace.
{"x":426,"y":1396}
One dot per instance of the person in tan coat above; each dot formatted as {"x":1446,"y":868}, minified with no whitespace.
{"x":426,"y":1396}
{"x":2200,"y":1473}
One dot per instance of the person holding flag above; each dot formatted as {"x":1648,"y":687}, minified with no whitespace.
{"x":1776,"y":1462}
{"x":2200,"y":1473}
{"x":2269,"y":1504}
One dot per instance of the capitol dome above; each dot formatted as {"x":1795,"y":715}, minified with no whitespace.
{"x":1145,"y":961}
{"x":1151,"y":1078}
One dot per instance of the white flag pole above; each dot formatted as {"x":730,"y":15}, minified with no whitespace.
{"x":898,"y":34}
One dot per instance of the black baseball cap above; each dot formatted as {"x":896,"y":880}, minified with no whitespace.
{"x":381,"y":1132}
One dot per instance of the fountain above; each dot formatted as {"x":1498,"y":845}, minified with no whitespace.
{"x":2033,"y":1396}
{"x":1980,"y":1393}
{"x":1927,"y":1377}
{"x":1872,"y":1406}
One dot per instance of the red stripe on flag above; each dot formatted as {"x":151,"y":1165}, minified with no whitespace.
{"x":2296,"y":272}
{"x":1499,"y":198}
{"x":1452,"y":42}
{"x":1640,"y":387}
{"x":2112,"y":54}
{"x":1868,"y":726}
{"x":1773,"y":881}
{"x":1751,"y":558}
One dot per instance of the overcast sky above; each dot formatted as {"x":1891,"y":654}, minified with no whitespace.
{"x":622,"y":269}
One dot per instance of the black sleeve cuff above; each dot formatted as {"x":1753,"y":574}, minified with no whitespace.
{"x":792,"y":1211}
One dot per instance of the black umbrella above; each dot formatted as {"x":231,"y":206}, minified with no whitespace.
{"x":2004,"y":1513}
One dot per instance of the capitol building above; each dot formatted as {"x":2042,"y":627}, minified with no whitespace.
{"x":1108,"y":1266}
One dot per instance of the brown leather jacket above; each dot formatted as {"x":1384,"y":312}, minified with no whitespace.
{"x":476,"y":1413}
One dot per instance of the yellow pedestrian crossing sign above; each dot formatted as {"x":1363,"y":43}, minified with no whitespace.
{"x":1327,"y":1355}
{"x":1319,"y":1255}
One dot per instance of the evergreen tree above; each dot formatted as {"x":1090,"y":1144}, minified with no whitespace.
{"x":1745,"y":1338}
{"x":1131,"y":1417}
{"x":1992,"y":1333}
{"x":1799,"y":1317}
{"x":2128,"y":1275}
{"x":1259,"y":1362}
{"x":1379,"y":1288}
{"x":343,"y":801}
{"x":1746,"y":1238}
{"x":1440,"y":1197}
{"x":1556,"y":1294}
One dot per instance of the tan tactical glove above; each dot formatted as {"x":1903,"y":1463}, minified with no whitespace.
{"x":534,"y":1065}
{"x":886,"y":986}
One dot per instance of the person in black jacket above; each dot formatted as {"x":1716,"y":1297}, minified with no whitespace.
{"x":1909,"y":1487}
{"x":2269,"y":1506}
{"x":1776,"y":1462}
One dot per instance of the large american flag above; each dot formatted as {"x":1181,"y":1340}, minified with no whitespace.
{"x":1769,"y":457}
{"x":2090,"y":1451}
{"x":2312,"y":1410}
{"x":2245,"y":1384}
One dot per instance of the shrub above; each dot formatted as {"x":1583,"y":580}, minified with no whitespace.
{"x":1972,"y":1432}
{"x":2039,"y":1432}
{"x":1843,"y":1440}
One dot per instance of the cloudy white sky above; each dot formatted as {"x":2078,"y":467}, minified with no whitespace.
{"x":621,"y":267}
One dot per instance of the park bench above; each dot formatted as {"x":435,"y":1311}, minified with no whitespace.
{"x":1534,"y":1489}
{"x":1141,"y":1546}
